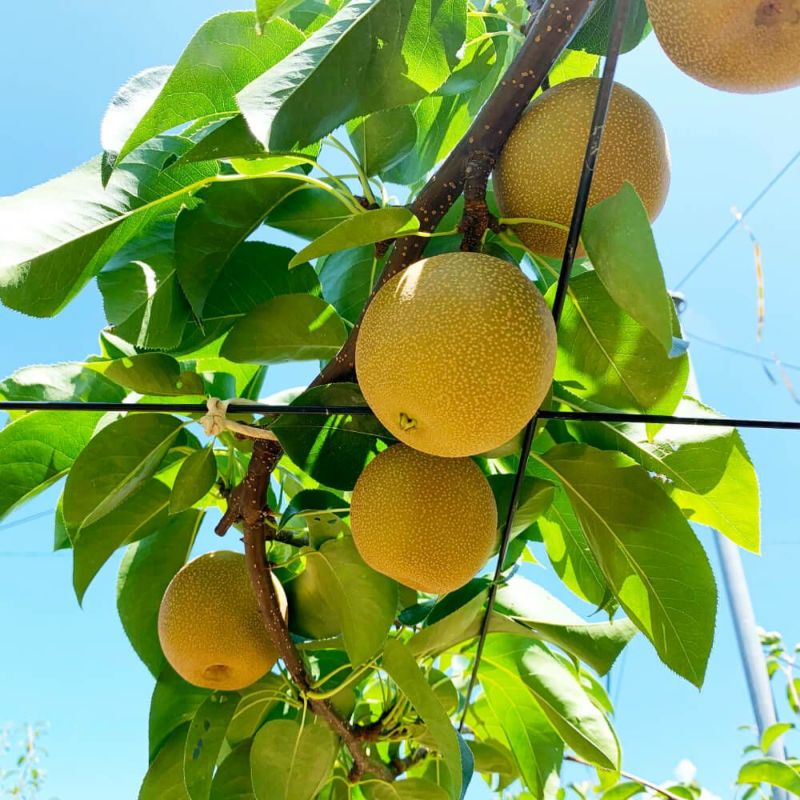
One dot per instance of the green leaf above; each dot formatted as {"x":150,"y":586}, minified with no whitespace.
{"x":144,"y":574}
{"x":461,"y":625}
{"x":290,"y":762}
{"x":404,"y":671}
{"x":311,"y":500}
{"x":174,"y":702}
{"x":605,"y":356}
{"x":37,"y":449}
{"x":367,"y":228}
{"x":363,"y":601}
{"x":771,"y":771}
{"x":207,"y":233}
{"x":309,"y":214}
{"x":164,"y":778}
{"x":594,"y":34}
{"x":291,"y":327}
{"x":647,"y":551}
{"x":143,"y":301}
{"x":406,"y":789}
{"x":335,"y":449}
{"x":258,"y":701}
{"x":623,"y":791}
{"x":58,"y":235}
{"x":232,"y":779}
{"x":493,"y":757}
{"x":710,"y":474}
{"x":138,"y":515}
{"x":596,"y":643}
{"x":204,"y":741}
{"x":116,"y":462}
{"x":535,"y":497}
{"x":347,"y":278}
{"x":54,"y":382}
{"x":384,"y":138}
{"x":581,"y":725}
{"x":339,"y":73}
{"x":150,"y":373}
{"x":622,"y":249}
{"x":223,"y":56}
{"x":508,"y":713}
{"x":194,"y":480}
{"x":773,"y":733}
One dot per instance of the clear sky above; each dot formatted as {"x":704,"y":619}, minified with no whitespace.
{"x":73,"y":668}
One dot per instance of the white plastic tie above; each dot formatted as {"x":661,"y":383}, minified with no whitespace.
{"x":215,"y":421}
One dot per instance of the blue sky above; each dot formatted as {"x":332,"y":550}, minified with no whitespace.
{"x":74,"y":669}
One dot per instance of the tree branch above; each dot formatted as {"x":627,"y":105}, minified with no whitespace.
{"x":647,"y":784}
{"x":265,"y":456}
{"x":550,"y":33}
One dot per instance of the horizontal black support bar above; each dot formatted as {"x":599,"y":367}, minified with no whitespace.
{"x":613,"y":417}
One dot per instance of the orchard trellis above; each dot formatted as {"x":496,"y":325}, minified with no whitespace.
{"x":466,"y":170}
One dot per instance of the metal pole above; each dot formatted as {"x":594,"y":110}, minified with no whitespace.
{"x":744,"y":620}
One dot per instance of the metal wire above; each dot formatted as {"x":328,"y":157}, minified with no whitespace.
{"x":602,"y":105}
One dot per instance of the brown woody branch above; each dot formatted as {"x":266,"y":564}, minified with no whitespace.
{"x":476,"y":218}
{"x":251,"y":509}
{"x":550,"y":33}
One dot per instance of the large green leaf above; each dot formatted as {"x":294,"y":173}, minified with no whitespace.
{"x":143,"y":302}
{"x":407,"y":789}
{"x":174,"y":702}
{"x":150,"y":373}
{"x":608,"y":357}
{"x":258,"y":701}
{"x":709,"y":472}
{"x":621,"y":246}
{"x":224,"y":55}
{"x":647,"y":551}
{"x":560,"y":696}
{"x":116,"y":462}
{"x":66,"y":381}
{"x":58,"y":235}
{"x":771,"y":771}
{"x":384,"y":138}
{"x":144,"y":574}
{"x":308,"y":214}
{"x":331,"y":449}
{"x":347,"y":278}
{"x":404,"y":671}
{"x":206,"y":234}
{"x":535,"y":497}
{"x":194,"y":479}
{"x":204,"y":742}
{"x":508,"y":712}
{"x":340,"y":72}
{"x":37,"y":449}
{"x":290,"y":762}
{"x":138,"y":515}
{"x":164,"y":778}
{"x":363,"y":601}
{"x":367,"y":228}
{"x":232,"y":779}
{"x":593,"y":35}
{"x":292,"y":327}
{"x":596,"y":643}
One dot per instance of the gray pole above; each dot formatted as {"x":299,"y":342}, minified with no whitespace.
{"x":744,"y":621}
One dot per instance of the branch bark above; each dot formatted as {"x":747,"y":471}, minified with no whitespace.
{"x":263,"y":461}
{"x":550,"y":33}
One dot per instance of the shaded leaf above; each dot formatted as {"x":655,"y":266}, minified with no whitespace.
{"x":340,"y":72}
{"x":594,"y":34}
{"x":150,"y":373}
{"x":309,"y":213}
{"x":164,"y":778}
{"x":290,"y":762}
{"x":535,"y":498}
{"x":347,"y":278}
{"x":116,"y":462}
{"x":384,"y":138}
{"x":232,"y":779}
{"x":292,"y":327}
{"x":174,"y":702}
{"x":204,"y":740}
{"x":144,"y":574}
{"x":406,"y":789}
{"x":194,"y":480}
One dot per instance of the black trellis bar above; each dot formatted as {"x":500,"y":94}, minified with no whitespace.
{"x":602,"y":105}
{"x":610,"y":417}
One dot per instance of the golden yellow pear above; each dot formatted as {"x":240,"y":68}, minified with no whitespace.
{"x":735,"y":45}
{"x":456,"y":354}
{"x":209,"y":624}
{"x":428,"y":522}
{"x":539,"y":169}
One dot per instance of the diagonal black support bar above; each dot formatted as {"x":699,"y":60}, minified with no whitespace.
{"x":602,"y":105}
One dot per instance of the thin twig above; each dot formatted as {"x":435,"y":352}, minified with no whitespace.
{"x":628,"y":776}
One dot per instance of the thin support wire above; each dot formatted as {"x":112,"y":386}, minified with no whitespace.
{"x":602,"y":105}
